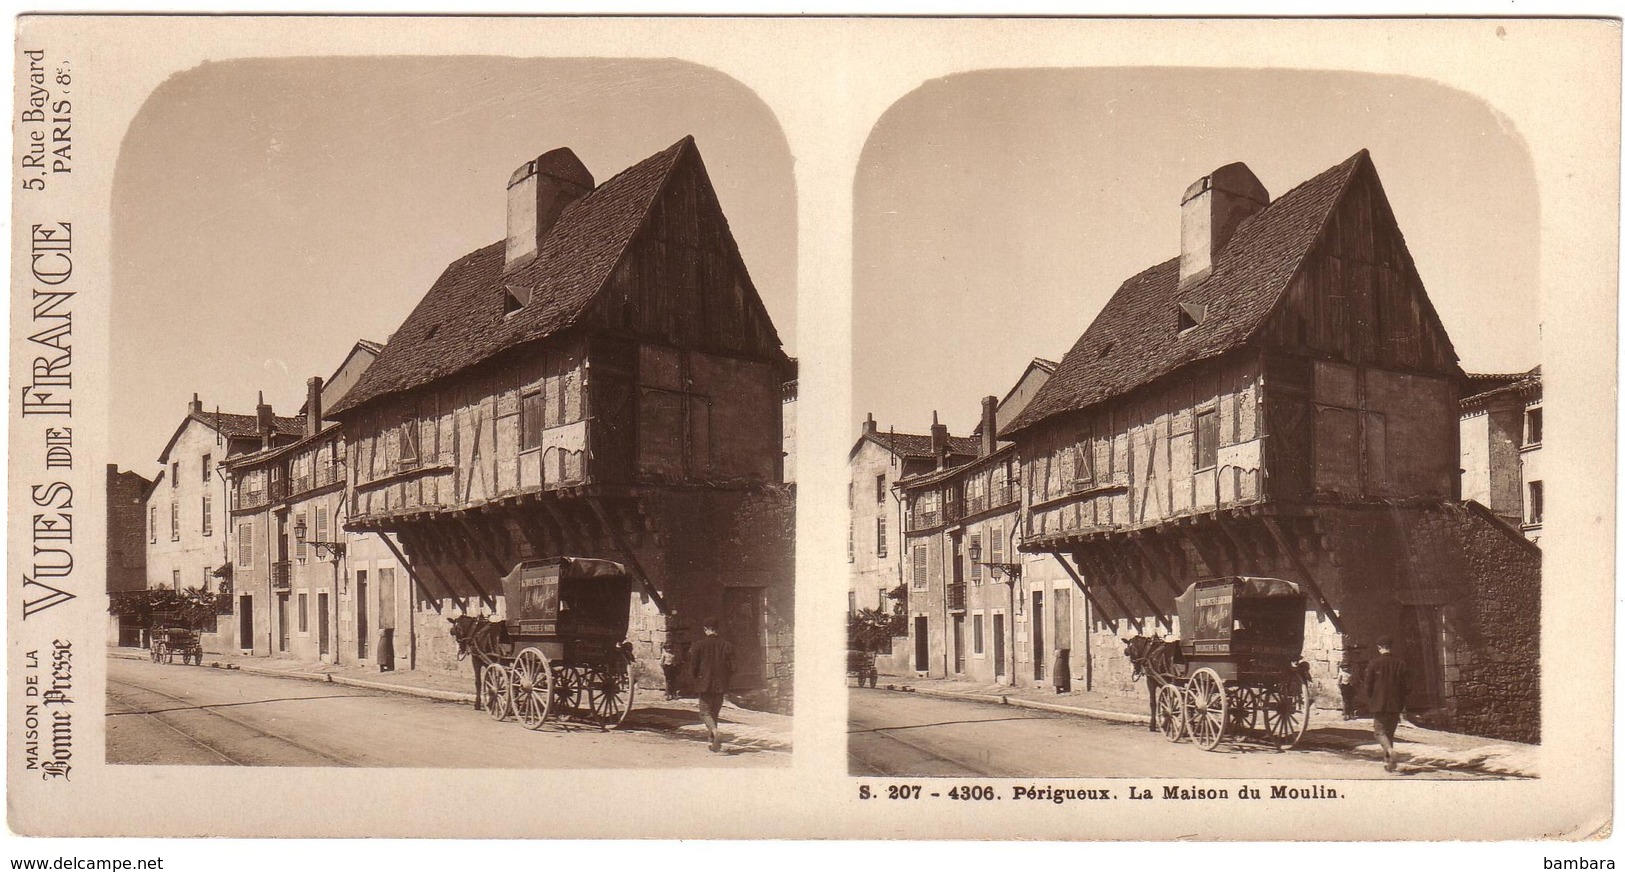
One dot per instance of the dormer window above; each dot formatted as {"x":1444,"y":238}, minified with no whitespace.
{"x":1191,"y":315}
{"x":514,"y":298}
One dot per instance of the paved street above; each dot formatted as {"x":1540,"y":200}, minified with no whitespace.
{"x":175,"y":715}
{"x":898,"y":734}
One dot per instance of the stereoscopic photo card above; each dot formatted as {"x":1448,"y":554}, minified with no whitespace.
{"x":462,"y":428}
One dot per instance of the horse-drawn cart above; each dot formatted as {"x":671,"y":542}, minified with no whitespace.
{"x":171,"y":642}
{"x":562,"y":650}
{"x":1237,"y":668}
{"x":861,"y":665}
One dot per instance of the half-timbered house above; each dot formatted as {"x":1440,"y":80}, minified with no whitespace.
{"x":604,"y":382}
{"x":1280,"y":400}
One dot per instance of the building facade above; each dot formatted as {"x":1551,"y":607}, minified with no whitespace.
{"x":1502,"y":433}
{"x":604,"y":382}
{"x":1280,"y":400}
{"x":126,"y":547}
{"x":188,"y":544}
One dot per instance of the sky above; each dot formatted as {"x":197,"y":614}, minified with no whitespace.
{"x":997,"y":211}
{"x":269,"y":213}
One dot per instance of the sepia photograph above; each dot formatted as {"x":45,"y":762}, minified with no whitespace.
{"x":1126,"y":431}
{"x":1213,"y":445}
{"x":453,"y":391}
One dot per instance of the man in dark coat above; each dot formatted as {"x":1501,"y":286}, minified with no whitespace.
{"x":710,"y":669}
{"x":1386,"y":686}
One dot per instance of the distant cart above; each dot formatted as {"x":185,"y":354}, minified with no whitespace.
{"x":861,"y":665}
{"x":169,"y":643}
{"x":1238,"y":668}
{"x":562,"y":651}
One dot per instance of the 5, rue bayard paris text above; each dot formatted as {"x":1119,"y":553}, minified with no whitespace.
{"x":47,"y":398}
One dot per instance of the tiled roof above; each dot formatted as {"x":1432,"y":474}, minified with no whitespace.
{"x":1478,"y":387}
{"x":461,"y":321}
{"x":1133,"y":341}
{"x":939,"y":475}
{"x":249,"y":425}
{"x":374,"y":347}
{"x":916,"y":445}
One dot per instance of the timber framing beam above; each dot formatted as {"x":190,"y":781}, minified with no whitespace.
{"x":1082,"y":556}
{"x":1128,"y":574}
{"x":625,"y":548}
{"x":407,"y":564}
{"x":1303,"y":569}
{"x":1060,"y":557}
{"x":1154,"y":560}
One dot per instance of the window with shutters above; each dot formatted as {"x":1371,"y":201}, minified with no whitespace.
{"x":530,"y":421}
{"x":304,"y":613}
{"x":208,"y":514}
{"x":880,"y":536}
{"x":880,"y":488}
{"x":995,"y":542}
{"x":409,"y":441}
{"x":976,"y":634}
{"x":976,"y":566}
{"x":152,"y":523}
{"x":919,"y":567}
{"x":1207,"y":440}
{"x":299,"y":520}
{"x":174,"y":522}
{"x":245,"y":544}
{"x":208,"y":467}
{"x":851,"y":545}
{"x":321,"y":525}
{"x":1535,"y":512}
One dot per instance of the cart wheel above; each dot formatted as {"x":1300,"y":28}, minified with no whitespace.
{"x":494,"y":690}
{"x":1244,"y":710}
{"x":1208,"y":709}
{"x":567,"y":683}
{"x":1170,"y":712}
{"x":532,"y":688}
{"x":609,"y":693}
{"x":1286,"y":711}
{"x":874,"y":677}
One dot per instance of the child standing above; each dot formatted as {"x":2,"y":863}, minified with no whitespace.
{"x":668,"y":665}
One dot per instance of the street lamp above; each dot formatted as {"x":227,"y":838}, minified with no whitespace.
{"x":999,"y":569}
{"x":336,"y":549}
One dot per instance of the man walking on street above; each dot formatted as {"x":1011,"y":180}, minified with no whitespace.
{"x":1386,"y":686}
{"x":710,"y":668}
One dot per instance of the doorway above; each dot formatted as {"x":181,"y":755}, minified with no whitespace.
{"x":1038,"y":635}
{"x":959,"y":644}
{"x":361,"y":614}
{"x":282,"y":623}
{"x":998,"y":644}
{"x":324,"y":627}
{"x":742,"y":627}
{"x":245,"y":623}
{"x":922,"y":645}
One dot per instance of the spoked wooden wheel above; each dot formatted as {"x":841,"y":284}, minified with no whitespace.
{"x":610,"y":693}
{"x":1244,"y":708}
{"x":532,"y":688}
{"x":1209,"y":709}
{"x":567,"y":685}
{"x":1285,"y":708}
{"x":1171,"y":712}
{"x":494,"y":687}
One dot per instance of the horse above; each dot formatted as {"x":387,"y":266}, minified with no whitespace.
{"x":1151,"y":655}
{"x":480,"y":637}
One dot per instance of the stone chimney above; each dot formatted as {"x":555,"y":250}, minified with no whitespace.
{"x":869,"y":424}
{"x":196,"y":405}
{"x":265,"y":420}
{"x":1211,"y":210}
{"x":990,"y":424}
{"x":939,"y":441}
{"x":537,"y":195}
{"x":313,"y":405}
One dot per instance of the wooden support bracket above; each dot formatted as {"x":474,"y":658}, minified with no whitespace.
{"x":1303,"y":569}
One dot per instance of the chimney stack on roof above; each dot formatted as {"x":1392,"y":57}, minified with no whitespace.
{"x":939,"y":441}
{"x":196,"y":405}
{"x":1211,"y":210}
{"x":265,"y":420}
{"x":869,"y":424}
{"x":313,"y":405}
{"x":537,"y":193}
{"x":990,"y":424}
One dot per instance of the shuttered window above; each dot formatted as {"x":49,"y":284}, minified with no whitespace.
{"x":975,"y":566}
{"x":919,"y":567}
